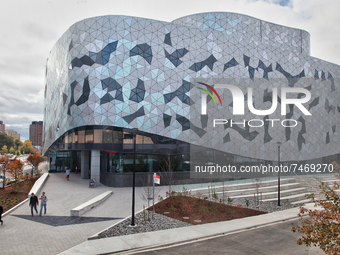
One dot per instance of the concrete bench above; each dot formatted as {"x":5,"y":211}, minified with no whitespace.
{"x":38,"y":185}
{"x":81,"y":209}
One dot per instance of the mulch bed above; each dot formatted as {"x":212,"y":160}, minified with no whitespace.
{"x":10,"y":198}
{"x":200,"y":211}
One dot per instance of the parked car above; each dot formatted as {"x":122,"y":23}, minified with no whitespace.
{"x":8,"y":178}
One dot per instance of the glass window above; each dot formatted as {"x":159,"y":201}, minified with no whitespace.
{"x":81,"y":136}
{"x":75,"y":137}
{"x":107,"y":136}
{"x":66,"y":138}
{"x":118,"y":137}
{"x":98,"y":135}
{"x":128,"y":138}
{"x":69,"y":138}
{"x":141,"y":139}
{"x":89,"y":136}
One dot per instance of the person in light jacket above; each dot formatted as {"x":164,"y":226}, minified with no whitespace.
{"x":43,"y":202}
{"x":67,"y":173}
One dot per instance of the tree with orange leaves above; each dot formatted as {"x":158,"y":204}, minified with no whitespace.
{"x":15,"y":168}
{"x":322,"y":227}
{"x":34,"y":159}
{"x":4,"y":161}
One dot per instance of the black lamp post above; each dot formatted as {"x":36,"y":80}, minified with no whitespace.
{"x":135,"y":130}
{"x":278,"y":179}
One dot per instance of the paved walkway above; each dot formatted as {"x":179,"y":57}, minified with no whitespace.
{"x":56,"y":231}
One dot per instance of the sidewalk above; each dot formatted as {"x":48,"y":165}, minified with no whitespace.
{"x":56,"y":231}
{"x":163,"y":238}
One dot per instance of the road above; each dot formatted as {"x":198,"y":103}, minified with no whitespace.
{"x":274,"y":239}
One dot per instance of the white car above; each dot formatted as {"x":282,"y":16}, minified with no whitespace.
{"x":8,"y":178}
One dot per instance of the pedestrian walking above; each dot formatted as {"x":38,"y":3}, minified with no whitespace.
{"x":67,"y":173}
{"x":33,"y":203}
{"x":1,"y":211}
{"x":43,"y":202}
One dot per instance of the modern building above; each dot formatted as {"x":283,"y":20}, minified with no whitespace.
{"x":210,"y":88}
{"x":13,"y":133}
{"x":36,"y":133}
{"x":2,"y":126}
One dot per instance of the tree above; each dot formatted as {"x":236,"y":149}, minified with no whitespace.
{"x":27,"y":147}
{"x":34,"y":159}
{"x":322,"y":227}
{"x":147,"y":192}
{"x":27,"y":144}
{"x":4,"y":149}
{"x":15,"y":168}
{"x":167,"y":167}
{"x":12,"y":150}
{"x":4,"y":161}
{"x":6,"y":140}
{"x":17,"y":144}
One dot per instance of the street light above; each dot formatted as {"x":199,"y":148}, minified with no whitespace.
{"x":278,"y":179}
{"x":135,"y":130}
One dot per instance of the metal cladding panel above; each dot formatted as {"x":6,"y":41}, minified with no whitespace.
{"x":139,"y":73}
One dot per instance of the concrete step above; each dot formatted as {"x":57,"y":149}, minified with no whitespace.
{"x":252,"y":190}
{"x":305,"y":201}
{"x":290,"y":199}
{"x":243,"y":186}
{"x":273,"y":195}
{"x":331,"y":182}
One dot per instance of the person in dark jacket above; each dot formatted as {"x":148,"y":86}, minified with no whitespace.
{"x":1,"y":211}
{"x":33,"y":203}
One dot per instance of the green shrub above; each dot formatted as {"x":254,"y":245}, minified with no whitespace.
{"x":247,"y":203}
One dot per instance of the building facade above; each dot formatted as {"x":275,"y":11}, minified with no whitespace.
{"x":2,"y":126}
{"x":13,"y":133}
{"x":227,"y":86}
{"x":36,"y":133}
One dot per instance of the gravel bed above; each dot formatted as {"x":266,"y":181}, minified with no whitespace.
{"x":265,"y":206}
{"x":159,"y":222}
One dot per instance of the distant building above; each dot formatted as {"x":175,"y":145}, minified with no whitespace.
{"x":13,"y":133}
{"x":2,"y":126}
{"x":36,"y":132}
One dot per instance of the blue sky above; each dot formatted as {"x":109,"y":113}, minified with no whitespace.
{"x":30,"y":28}
{"x":284,"y":2}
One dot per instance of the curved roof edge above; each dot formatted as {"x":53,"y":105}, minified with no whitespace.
{"x":237,"y":24}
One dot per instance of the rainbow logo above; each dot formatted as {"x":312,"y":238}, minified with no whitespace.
{"x":211,"y":95}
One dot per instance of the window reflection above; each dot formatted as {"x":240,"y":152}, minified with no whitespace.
{"x":89,"y":136}
{"x":75,"y":137}
{"x":107,"y":136}
{"x":81,"y":136}
{"x":98,"y":136}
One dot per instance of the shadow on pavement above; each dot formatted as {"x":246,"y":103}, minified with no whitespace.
{"x":56,"y":221}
